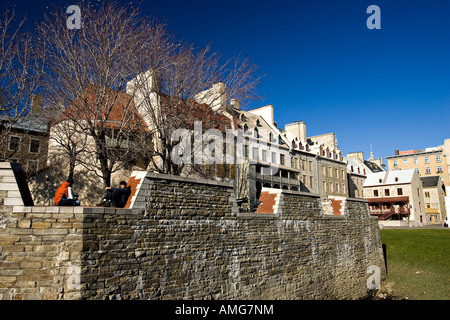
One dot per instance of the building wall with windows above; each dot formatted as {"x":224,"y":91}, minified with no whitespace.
{"x":434,"y":197}
{"x":27,"y":145}
{"x":428,"y":162}
{"x":394,"y":188}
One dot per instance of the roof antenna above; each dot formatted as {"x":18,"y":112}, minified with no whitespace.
{"x":371,"y":153}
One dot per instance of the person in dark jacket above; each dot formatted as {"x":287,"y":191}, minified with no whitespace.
{"x":116,"y":197}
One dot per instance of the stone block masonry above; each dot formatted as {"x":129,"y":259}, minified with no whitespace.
{"x":185,"y":239}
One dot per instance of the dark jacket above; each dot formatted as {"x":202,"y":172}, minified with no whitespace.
{"x":120,"y":196}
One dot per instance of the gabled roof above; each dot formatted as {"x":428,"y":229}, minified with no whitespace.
{"x":119,"y":108}
{"x":389,"y":177}
{"x":373,"y":167}
{"x":352,"y":163}
{"x":431,"y":181}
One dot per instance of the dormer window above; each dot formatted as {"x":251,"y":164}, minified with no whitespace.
{"x":258,"y":123}
{"x":396,"y":179}
{"x":380,"y":180}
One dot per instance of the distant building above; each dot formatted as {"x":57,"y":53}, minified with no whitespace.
{"x":26,"y":141}
{"x":433,"y":161}
{"x":357,"y":170}
{"x":434,"y":197}
{"x":396,"y":198}
{"x":428,"y":162}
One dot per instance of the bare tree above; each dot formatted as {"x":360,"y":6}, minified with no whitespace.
{"x":133,"y":81}
{"x":20,"y":72}
{"x":87,"y":72}
{"x":189,"y":84}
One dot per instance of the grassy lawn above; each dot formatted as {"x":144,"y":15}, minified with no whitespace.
{"x":418,"y":263}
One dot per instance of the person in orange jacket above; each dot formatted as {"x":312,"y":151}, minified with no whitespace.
{"x":64,"y":195}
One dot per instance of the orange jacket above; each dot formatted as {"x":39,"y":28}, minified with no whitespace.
{"x":63,"y":189}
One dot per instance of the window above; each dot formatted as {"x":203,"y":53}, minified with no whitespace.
{"x":324,"y":186}
{"x":256,"y":133}
{"x":428,"y":205}
{"x":343,"y":188}
{"x":34,"y":146}
{"x":246,"y":151}
{"x":438,"y":158}
{"x":330,"y":172}
{"x":254,"y":153}
{"x":386,"y":192}
{"x":282,"y":159}
{"x":417,"y":169}
{"x":427,"y":170}
{"x":439,"y":169}
{"x":310,"y":165}
{"x":399,"y":191}
{"x":264,"y":155}
{"x":331,"y":186}
{"x":14,"y":143}
{"x":427,"y":160}
{"x":324,"y":171}
{"x":394,"y":163}
{"x":427,"y":194}
{"x":375,"y":193}
{"x":311,"y":181}
{"x":405,"y":162}
{"x":416,"y":161}
{"x":274,"y":157}
{"x":337,"y":187}
{"x":336,"y":172}
{"x":303,"y":164}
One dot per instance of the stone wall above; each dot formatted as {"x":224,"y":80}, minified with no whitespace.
{"x":185,"y":239}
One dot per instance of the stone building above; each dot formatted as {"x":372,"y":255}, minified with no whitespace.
{"x":396,"y":198}
{"x":356,"y":176}
{"x":434,"y":196}
{"x":26,"y":142}
{"x":357,"y":170}
{"x":427,"y":162}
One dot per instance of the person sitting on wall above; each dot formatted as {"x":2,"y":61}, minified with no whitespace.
{"x":116,"y":197}
{"x":64,"y":195}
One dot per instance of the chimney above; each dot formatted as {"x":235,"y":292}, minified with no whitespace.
{"x":298,"y":129}
{"x":234,"y":103}
{"x":396,"y":152}
{"x":36,"y":104}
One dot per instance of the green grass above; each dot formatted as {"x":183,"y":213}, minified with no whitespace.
{"x":418,"y":263}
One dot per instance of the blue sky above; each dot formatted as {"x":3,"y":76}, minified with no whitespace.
{"x":388,"y":87}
